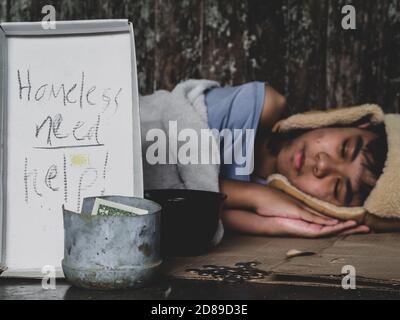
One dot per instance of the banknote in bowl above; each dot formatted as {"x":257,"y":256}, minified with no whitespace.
{"x":104,"y":207}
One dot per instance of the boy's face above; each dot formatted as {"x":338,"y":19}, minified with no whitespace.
{"x":328,"y":164}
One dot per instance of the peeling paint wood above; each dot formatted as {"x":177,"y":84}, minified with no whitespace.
{"x":363,"y":64}
{"x":266,"y":44}
{"x":142,"y":15}
{"x":305,"y":39}
{"x":3,"y":10}
{"x":178,"y":41}
{"x":225,"y":36}
{"x":298,"y":46}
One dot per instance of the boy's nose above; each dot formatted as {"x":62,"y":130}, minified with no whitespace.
{"x":323,"y":165}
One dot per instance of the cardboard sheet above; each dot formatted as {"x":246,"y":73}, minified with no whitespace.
{"x":376,"y":259}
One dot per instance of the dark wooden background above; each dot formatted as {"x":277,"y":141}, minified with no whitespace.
{"x":298,"y":46}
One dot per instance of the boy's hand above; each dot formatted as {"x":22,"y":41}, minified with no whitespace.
{"x":279,"y":204}
{"x":251,"y":223}
{"x":301,"y":228}
{"x":289,"y":216}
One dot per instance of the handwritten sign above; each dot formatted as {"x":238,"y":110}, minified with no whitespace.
{"x":72,"y":123}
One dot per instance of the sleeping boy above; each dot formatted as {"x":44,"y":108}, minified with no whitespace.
{"x":337,"y":163}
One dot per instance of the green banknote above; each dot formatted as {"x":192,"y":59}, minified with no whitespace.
{"x":113,"y":209}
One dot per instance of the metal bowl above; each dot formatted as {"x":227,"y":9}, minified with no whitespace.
{"x":189,"y":220}
{"x":103,"y":252}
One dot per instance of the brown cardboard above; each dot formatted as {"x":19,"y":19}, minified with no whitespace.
{"x":376,"y":258}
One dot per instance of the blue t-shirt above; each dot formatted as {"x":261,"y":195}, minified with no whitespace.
{"x":233,"y":108}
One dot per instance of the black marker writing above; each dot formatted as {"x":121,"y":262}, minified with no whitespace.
{"x":56,"y":94}
{"x":89,"y":134}
{"x":66,"y":93}
{"x":41,"y":91}
{"x":65,"y":179}
{"x":87,"y":179}
{"x":116,"y":97}
{"x":90,"y":91}
{"x":21,"y":87}
{"x":105,"y":172}
{"x":82,"y":86}
{"x":106,"y":98}
{"x":67,"y":98}
{"x":26,"y":180}
{"x":50,"y":175}
{"x":57,"y":121}
{"x":39,"y":128}
{"x":28,"y":174}
{"x":80,"y":133}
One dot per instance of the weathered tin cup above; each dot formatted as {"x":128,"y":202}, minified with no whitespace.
{"x":102,"y":252}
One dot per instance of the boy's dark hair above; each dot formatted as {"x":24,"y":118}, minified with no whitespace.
{"x":375,"y":153}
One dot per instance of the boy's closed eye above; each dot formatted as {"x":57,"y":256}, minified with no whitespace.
{"x":351,"y":149}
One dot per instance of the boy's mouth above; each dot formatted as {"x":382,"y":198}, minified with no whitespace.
{"x":299,"y":160}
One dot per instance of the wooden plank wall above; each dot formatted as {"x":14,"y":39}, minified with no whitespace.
{"x":298,"y":46}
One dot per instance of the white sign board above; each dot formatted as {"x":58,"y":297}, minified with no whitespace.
{"x":71,"y":130}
